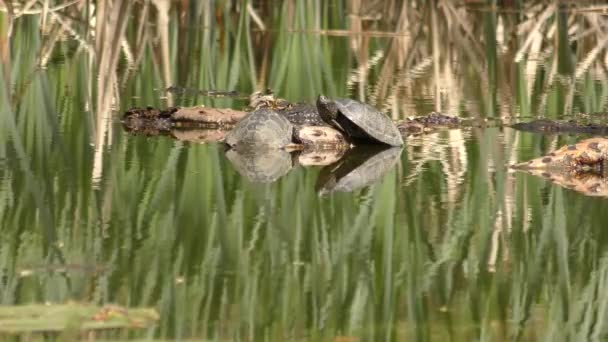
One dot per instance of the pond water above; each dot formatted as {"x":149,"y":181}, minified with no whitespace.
{"x":447,"y":242}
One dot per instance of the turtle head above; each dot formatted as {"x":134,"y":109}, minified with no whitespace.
{"x":327,"y":109}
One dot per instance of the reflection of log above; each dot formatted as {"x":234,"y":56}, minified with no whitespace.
{"x":199,"y":135}
{"x":320,"y":157}
{"x":587,"y":183}
{"x":581,"y":167}
{"x":310,"y":138}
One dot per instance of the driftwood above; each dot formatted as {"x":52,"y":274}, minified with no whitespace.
{"x":210,"y":125}
{"x":195,"y":124}
{"x":427,"y":123}
{"x":183,"y":116}
{"x":205,"y":124}
{"x":581,"y":167}
{"x":207,"y":115}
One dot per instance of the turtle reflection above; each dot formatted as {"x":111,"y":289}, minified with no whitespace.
{"x":268,"y":165}
{"x":260,"y":166}
{"x":360,"y":167}
{"x":357,"y":168}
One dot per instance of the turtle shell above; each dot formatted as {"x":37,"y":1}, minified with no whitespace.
{"x":263,"y":128}
{"x":361,"y":120}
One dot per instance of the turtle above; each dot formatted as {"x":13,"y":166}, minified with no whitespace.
{"x":359,"y":120}
{"x":261,"y":129}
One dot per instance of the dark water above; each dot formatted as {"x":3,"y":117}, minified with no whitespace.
{"x":448,"y":242}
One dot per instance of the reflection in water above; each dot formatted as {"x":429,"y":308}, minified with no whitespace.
{"x":580,"y":167}
{"x":260,"y":166}
{"x":344,"y":171}
{"x":587,"y":183}
{"x":361,"y":166}
{"x":319,"y":157}
{"x":448,"y":149}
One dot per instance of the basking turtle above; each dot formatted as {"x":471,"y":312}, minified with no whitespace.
{"x":359,"y":120}
{"x":266,"y":129}
{"x":262,"y":129}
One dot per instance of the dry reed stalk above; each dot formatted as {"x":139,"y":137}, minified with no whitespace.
{"x":591,"y":57}
{"x":6,"y":32}
{"x":26,"y":9}
{"x":108,"y":42}
{"x":360,"y":47}
{"x":255,"y":17}
{"x":542,"y":19}
{"x":49,"y":44}
{"x":436,"y":56}
{"x":142,"y":35}
{"x":162,"y":8}
{"x":394,"y":60}
{"x":68,"y":25}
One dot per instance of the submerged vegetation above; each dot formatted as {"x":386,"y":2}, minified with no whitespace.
{"x":449,"y":243}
